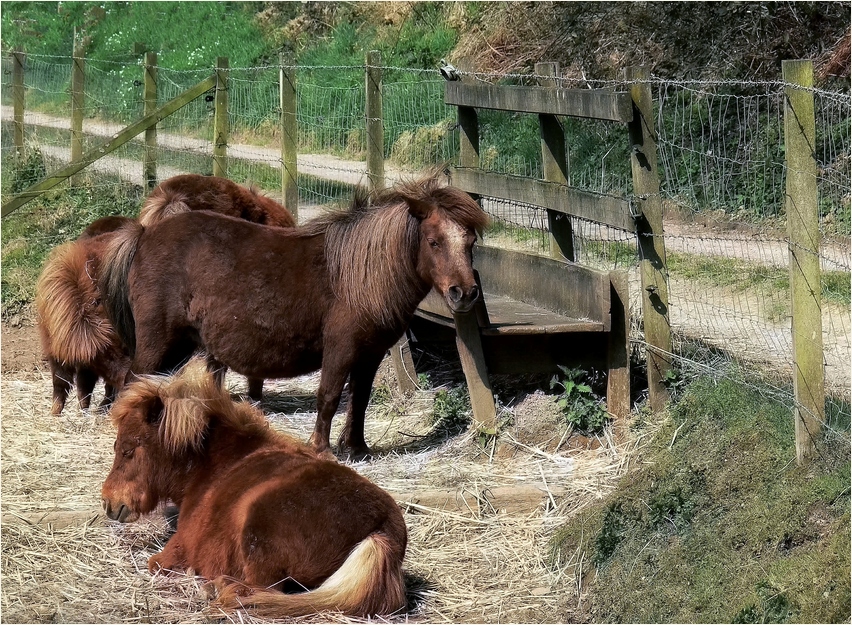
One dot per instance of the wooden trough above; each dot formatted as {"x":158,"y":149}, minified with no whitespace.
{"x":537,"y":313}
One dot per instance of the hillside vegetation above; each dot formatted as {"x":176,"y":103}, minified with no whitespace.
{"x":743,"y":40}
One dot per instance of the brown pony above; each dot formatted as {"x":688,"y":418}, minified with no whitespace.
{"x":270,"y":302}
{"x":256,"y":506}
{"x":77,"y":338}
{"x":188,"y":192}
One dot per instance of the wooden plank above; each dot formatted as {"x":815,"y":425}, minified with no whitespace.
{"x":803,"y":230}
{"x":375,"y":125}
{"x":587,"y":103}
{"x":102,"y":150}
{"x":149,"y":94}
{"x":18,"y":63}
{"x":508,"y":316}
{"x":403,"y":365}
{"x":221,"y":129}
{"x":565,"y":288}
{"x":469,"y":344}
{"x":521,"y":499}
{"x":606,"y":209}
{"x":652,"y":249}
{"x":618,"y":354}
{"x":289,"y":138}
{"x":554,"y":160}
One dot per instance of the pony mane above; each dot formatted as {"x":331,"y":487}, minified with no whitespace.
{"x":371,"y":249}
{"x":193,"y":401}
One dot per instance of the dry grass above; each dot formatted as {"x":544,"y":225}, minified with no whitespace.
{"x":465,"y":563}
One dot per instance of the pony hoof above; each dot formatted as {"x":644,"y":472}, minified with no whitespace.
{"x":327,"y":455}
{"x":360,"y":453}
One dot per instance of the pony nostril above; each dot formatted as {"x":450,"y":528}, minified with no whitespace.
{"x":474,"y":293}
{"x":455,"y":293}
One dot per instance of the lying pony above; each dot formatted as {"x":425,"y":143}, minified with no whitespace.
{"x":256,"y":506}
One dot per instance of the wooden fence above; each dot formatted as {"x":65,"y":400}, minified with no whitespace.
{"x":640,"y":213}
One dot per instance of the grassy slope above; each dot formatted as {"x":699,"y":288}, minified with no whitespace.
{"x":717,"y":523}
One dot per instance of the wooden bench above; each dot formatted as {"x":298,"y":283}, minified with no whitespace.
{"x":537,"y":313}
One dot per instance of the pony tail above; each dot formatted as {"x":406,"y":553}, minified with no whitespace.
{"x":113,"y":285}
{"x":162,"y":204}
{"x":369,"y":582}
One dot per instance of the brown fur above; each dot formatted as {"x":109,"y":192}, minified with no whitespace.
{"x":258,"y":510}
{"x":187,"y":192}
{"x":78,"y":339}
{"x":269,"y":302}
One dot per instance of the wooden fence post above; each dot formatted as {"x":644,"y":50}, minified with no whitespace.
{"x":18,"y":63}
{"x":149,"y":166}
{"x":220,"y":119}
{"x":649,"y":230}
{"x":374,"y":123}
{"x":289,"y":136}
{"x":468,"y":340}
{"x":78,"y":101}
{"x":554,"y":159}
{"x":803,"y":230}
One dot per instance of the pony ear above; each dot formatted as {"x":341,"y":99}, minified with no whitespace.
{"x":155,"y":410}
{"x":419,"y":209}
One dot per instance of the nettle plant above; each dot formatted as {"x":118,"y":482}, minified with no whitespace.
{"x":579,"y":404}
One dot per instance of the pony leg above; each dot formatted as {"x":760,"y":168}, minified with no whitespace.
{"x":110,"y":391}
{"x":361,"y":379}
{"x":217,"y":369}
{"x":330,"y":389}
{"x":255,"y":388}
{"x":171,"y":558}
{"x":62,"y":377}
{"x":86,"y":380}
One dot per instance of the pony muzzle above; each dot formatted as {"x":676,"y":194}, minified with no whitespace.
{"x":120,"y":512}
{"x":460,"y":300}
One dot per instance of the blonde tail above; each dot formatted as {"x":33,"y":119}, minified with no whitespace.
{"x":369,"y":582}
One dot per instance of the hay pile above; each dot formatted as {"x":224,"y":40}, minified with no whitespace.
{"x":479,"y":517}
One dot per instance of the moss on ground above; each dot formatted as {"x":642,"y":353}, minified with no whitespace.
{"x":718,"y":523}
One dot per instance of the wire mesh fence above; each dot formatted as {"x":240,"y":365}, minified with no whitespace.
{"x":721,"y":159}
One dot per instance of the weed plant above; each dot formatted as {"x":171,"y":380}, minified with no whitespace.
{"x":717,"y":523}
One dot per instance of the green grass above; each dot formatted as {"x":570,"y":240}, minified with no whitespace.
{"x":31,"y":232}
{"x":742,"y":275}
{"x":717,"y":523}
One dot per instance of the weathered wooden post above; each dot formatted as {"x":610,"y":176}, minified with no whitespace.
{"x":78,"y":101}
{"x":221,"y":128}
{"x":374,"y":123}
{"x":289,"y":145}
{"x":468,"y":341}
{"x":554,"y":160}
{"x":19,"y":60}
{"x":649,"y":230}
{"x":149,"y":94}
{"x":803,"y":231}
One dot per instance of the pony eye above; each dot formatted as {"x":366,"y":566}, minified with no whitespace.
{"x":433,"y":244}
{"x":128,"y":453}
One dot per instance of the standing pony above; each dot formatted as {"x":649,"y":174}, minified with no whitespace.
{"x":77,"y":338}
{"x":256,"y":506}
{"x":270,"y":303}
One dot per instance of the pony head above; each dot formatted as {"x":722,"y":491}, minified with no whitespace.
{"x":449,"y":223}
{"x":160,"y":423}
